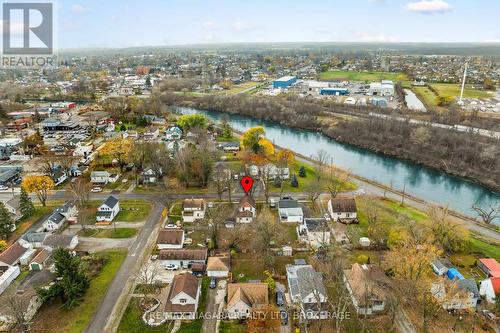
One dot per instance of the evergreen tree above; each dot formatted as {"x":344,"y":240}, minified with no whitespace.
{"x":294,"y":181}
{"x":72,"y":282}
{"x":302,"y":172}
{"x":25,"y":204}
{"x":6,"y":222}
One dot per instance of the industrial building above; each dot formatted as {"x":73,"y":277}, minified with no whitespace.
{"x":334,"y":91}
{"x":383,"y":88}
{"x":284,"y":82}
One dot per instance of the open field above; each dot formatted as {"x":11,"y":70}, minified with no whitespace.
{"x":133,"y":211}
{"x":451,"y":89}
{"x":54,"y":319}
{"x":240,"y":87}
{"x":361,"y":76}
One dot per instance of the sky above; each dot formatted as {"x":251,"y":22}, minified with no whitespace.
{"x":115,"y":23}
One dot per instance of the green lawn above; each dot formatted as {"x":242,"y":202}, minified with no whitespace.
{"x":109,"y":233}
{"x":133,"y":211}
{"x":452,"y":89}
{"x":361,"y":76}
{"x":425,"y":95}
{"x":232,"y":326}
{"x":487,"y":249}
{"x":132,"y":322}
{"x":55,"y":319}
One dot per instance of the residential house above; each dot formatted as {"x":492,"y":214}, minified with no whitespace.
{"x":290,"y":211}
{"x":148,"y":176}
{"x":33,"y":240}
{"x":107,"y":212}
{"x":55,"y":241}
{"x":25,"y":259}
{"x":440,"y":266}
{"x":243,"y":298}
{"x":343,"y":210}
{"x":457,"y":294}
{"x":59,"y":176}
{"x":99,"y":177}
{"x":13,"y":205}
{"x":230,"y":146}
{"x":183,"y":296}
{"x":193,"y":209}
{"x":173,"y":133}
{"x":12,"y":255}
{"x":490,"y":288}
{"x":54,"y":222}
{"x":40,"y":260}
{"x":315,"y":232}
{"x":307,"y":291}
{"x":368,"y":286}
{"x":151,"y":133}
{"x":7,"y":275}
{"x":219,"y":266}
{"x":271,"y":171}
{"x":170,"y":238}
{"x":182,"y":257}
{"x":68,"y":210}
{"x":247,"y":209}
{"x":489,"y":266}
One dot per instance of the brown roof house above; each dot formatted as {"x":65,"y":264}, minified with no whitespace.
{"x":193,"y":209}
{"x":343,"y":210}
{"x":182,"y":257}
{"x":39,"y":262}
{"x":247,"y":209}
{"x":243,"y":298}
{"x":219,"y":266}
{"x":183,"y":296}
{"x":12,"y":255}
{"x":170,"y":238}
{"x":368,"y":286}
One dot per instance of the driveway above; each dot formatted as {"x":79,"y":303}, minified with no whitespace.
{"x":214,"y":298}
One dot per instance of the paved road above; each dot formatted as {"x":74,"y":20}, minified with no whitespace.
{"x":209,"y":324}
{"x":105,"y":314}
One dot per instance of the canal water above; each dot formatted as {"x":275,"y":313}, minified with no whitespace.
{"x":428,"y":184}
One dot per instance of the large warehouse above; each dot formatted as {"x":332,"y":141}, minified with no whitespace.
{"x":334,"y":91}
{"x":284,"y":82}
{"x":384,"y":88}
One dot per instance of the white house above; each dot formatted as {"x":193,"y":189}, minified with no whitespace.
{"x":170,"y":238}
{"x":183,"y":296}
{"x":440,"y":266}
{"x":68,"y":210}
{"x":99,"y":177}
{"x":40,"y":260}
{"x":219,"y":266}
{"x":83,"y":151}
{"x":243,"y":298}
{"x":151,"y":133}
{"x":173,"y":133}
{"x":183,"y":258}
{"x":108,"y":210}
{"x":54,"y":222}
{"x":148,"y":176}
{"x":307,"y":291}
{"x":315,"y":232}
{"x":13,"y":205}
{"x":7,"y":275}
{"x":193,"y":209}
{"x":343,"y":210}
{"x":290,"y":211}
{"x":490,"y":289}
{"x":271,"y":171}
{"x":367,"y":286}
{"x":247,"y":209}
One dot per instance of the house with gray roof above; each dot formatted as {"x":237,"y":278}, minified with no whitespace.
{"x":307,"y":291}
{"x":54,"y":241}
{"x":107,"y":212}
{"x":456,"y":295}
{"x":290,"y":211}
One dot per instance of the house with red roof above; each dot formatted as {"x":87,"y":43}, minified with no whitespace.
{"x":490,"y":267}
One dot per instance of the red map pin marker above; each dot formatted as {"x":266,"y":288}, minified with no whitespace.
{"x":246,"y":182}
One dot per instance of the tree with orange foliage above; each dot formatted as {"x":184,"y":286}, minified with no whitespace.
{"x":286,"y":157}
{"x":119,"y":150}
{"x":40,"y":185}
{"x":265,"y":319}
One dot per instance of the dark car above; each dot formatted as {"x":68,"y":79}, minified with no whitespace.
{"x":279,"y":298}
{"x":284,"y":317}
{"x":213,"y":283}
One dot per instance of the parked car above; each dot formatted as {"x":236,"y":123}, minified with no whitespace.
{"x":488,"y":314}
{"x":213,"y":283}
{"x":279,"y":298}
{"x":171,"y":267}
{"x":96,"y":190}
{"x":3,"y":188}
{"x":210,"y":204}
{"x":284,"y":317}
{"x":327,"y":217}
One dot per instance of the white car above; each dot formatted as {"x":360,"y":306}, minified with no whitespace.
{"x":327,"y":217}
{"x":3,"y":188}
{"x":96,"y":190}
{"x":171,"y":267}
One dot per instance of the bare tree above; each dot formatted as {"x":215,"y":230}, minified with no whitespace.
{"x":146,"y":278}
{"x":487,"y":215}
{"x":81,"y":191}
{"x":337,"y":182}
{"x":320,"y":161}
{"x":313,"y":191}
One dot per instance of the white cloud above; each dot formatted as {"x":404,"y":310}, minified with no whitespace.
{"x":243,"y":26}
{"x":429,"y":6}
{"x":77,"y":8}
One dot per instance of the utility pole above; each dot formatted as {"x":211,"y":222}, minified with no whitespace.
{"x":460,"y":102}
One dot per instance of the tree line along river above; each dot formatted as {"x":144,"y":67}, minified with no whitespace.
{"x":422,"y":182}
